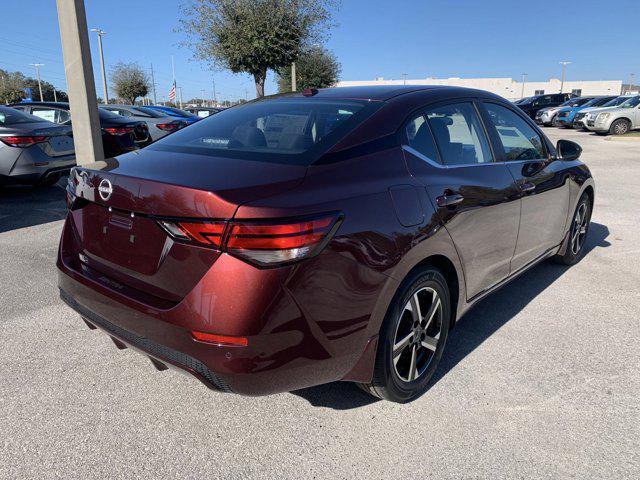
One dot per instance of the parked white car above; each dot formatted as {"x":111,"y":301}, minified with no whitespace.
{"x":580,"y":119}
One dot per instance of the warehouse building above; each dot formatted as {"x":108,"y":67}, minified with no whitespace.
{"x":506,"y":87}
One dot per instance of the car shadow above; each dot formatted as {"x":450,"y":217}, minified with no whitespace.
{"x":478,"y":324}
{"x":25,"y":206}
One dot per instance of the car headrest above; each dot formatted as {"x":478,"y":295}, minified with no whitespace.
{"x":440,"y":130}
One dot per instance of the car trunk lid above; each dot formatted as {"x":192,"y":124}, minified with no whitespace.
{"x":116,"y":225}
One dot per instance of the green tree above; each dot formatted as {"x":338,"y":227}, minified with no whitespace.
{"x":316,"y":67}
{"x":254,"y":36}
{"x":129,"y":81}
{"x":13,"y":83}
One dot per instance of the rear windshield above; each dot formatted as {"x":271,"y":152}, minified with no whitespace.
{"x":286,"y":130}
{"x":150,"y":111}
{"x":11,"y":116}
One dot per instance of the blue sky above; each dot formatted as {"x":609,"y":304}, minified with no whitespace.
{"x":440,"y":38}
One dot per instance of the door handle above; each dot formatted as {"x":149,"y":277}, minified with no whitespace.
{"x":527,"y":187}
{"x":449,"y":199}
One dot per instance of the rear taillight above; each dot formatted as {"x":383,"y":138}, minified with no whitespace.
{"x":268,"y":244}
{"x":203,"y":233}
{"x":264,"y":243}
{"x":118,"y":130}
{"x":223,"y":340}
{"x":23,"y":141}
{"x":168,"y":127}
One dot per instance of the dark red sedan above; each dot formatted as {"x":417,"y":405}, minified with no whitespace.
{"x":329,"y":235}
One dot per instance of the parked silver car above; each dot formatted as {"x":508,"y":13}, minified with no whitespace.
{"x":548,"y":116}
{"x":580,"y":119}
{"x":32,"y":150}
{"x":158,"y":123}
{"x":616,"y":121}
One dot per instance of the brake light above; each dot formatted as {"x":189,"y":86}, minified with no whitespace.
{"x":220,"y":339}
{"x":23,"y":141}
{"x":168,"y":127}
{"x":264,"y":243}
{"x":118,"y":130}
{"x":204,"y":233}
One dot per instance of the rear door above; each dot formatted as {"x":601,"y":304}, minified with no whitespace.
{"x":475,"y":197}
{"x":543,"y":183}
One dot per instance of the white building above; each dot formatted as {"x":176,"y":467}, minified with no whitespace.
{"x":506,"y":87}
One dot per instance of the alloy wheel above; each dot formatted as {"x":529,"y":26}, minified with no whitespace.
{"x":579,"y":232}
{"x":620,"y":128}
{"x":417,"y":334}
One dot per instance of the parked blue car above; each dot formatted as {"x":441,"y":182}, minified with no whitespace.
{"x":566,"y":115}
{"x":176,"y":112}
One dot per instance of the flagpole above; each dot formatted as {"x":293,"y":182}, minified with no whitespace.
{"x":173,"y":70}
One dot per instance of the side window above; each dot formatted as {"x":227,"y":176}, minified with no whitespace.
{"x":459,"y":134}
{"x":63,"y":116}
{"x":48,"y":114}
{"x":519,"y":140}
{"x":420,"y":139}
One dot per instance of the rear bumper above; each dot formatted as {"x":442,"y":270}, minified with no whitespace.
{"x":25,"y":171}
{"x":289,"y":346}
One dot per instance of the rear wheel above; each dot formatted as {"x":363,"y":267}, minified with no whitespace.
{"x":554,"y":121}
{"x":412,"y":337}
{"x":620,"y":127}
{"x":578,"y":232}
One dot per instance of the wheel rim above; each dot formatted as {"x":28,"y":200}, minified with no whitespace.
{"x":417,"y":334}
{"x":579,"y":232}
{"x":620,"y":128}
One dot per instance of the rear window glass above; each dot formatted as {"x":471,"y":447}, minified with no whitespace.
{"x":291,"y":130}
{"x":11,"y":116}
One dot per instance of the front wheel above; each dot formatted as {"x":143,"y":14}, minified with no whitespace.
{"x":412,"y":337}
{"x":620,"y":127}
{"x":578,"y":232}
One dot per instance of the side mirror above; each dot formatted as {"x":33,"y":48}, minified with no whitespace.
{"x":568,"y":150}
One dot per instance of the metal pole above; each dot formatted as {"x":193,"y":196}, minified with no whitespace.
{"x":38,"y":65}
{"x":180,"y":93}
{"x":524,"y":77}
{"x":564,"y":68}
{"x":294,"y":80}
{"x":104,"y":75}
{"x":202,"y":101}
{"x":78,"y":68}
{"x":404,"y":78}
{"x":153,"y":84}
{"x":215,"y":97}
{"x":55,"y":95}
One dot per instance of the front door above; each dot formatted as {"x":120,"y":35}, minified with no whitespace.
{"x":475,"y":197}
{"x":543,"y":183}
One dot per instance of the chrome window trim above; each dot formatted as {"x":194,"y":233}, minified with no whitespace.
{"x":433,"y":163}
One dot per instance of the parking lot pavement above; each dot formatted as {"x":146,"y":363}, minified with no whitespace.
{"x":541,"y":380}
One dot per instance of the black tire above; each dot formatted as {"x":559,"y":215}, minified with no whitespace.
{"x":387,"y":382}
{"x":620,"y":127}
{"x":573,"y":255}
{"x":554,"y":121}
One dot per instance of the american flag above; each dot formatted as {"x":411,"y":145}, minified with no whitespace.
{"x":172,"y":92}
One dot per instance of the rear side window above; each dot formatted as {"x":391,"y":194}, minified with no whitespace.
{"x":293,"y":131}
{"x":459,"y":134}
{"x":51,"y":114}
{"x":12,"y":116}
{"x":519,"y":140}
{"x":420,"y":139}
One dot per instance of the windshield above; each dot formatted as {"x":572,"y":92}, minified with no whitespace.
{"x":615,"y":102}
{"x":287,"y":130}
{"x":631,"y":102}
{"x":11,"y":116}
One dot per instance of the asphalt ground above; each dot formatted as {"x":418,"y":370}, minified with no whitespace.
{"x":541,"y":380}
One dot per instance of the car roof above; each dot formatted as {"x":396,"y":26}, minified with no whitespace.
{"x":64,"y":105}
{"x":382,"y":93}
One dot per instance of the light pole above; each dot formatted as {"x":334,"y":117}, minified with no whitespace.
{"x":404,"y":78}
{"x":38,"y":65}
{"x":524,"y":79}
{"x":202,"y":91}
{"x":564,"y":68}
{"x":104,"y":75}
{"x":631,"y":77}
